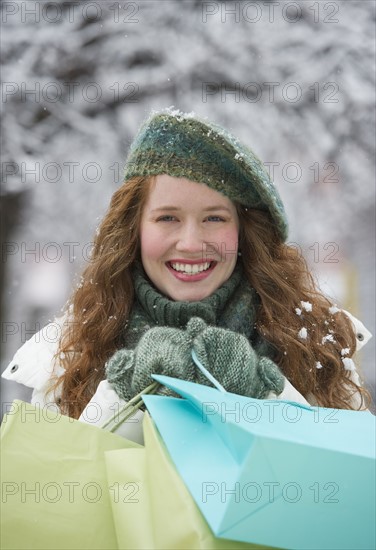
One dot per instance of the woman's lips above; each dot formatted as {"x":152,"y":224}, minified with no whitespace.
{"x":187,"y":270}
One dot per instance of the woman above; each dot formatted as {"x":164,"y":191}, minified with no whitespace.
{"x":191,"y":255}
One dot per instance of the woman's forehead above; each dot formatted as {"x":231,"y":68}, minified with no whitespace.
{"x":182,"y":191}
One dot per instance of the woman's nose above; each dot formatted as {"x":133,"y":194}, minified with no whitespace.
{"x":190,"y":239}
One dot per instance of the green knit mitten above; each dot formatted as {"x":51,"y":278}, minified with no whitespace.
{"x":161,"y":350}
{"x":230,"y":358}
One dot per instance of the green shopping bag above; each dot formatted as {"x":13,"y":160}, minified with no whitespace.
{"x":152,"y":508}
{"x":55,"y":493}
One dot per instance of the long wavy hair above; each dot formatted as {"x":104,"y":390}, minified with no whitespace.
{"x":101,"y":305}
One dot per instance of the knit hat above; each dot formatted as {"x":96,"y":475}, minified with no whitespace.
{"x":182,"y":145}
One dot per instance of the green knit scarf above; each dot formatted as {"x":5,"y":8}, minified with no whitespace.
{"x":168,"y":329}
{"x":233,"y":306}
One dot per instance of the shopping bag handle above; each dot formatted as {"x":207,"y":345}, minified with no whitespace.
{"x":129,"y":409}
{"x":208,"y":375}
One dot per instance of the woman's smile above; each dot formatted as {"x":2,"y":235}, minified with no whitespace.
{"x":190,"y":271}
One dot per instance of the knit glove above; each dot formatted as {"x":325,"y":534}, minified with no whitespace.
{"x":230,"y":358}
{"x":227,"y":355}
{"x":161,"y":350}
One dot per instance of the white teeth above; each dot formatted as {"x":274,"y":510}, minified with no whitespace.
{"x":190,"y":269}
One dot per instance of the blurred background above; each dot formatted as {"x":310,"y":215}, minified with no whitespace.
{"x":293,"y":80}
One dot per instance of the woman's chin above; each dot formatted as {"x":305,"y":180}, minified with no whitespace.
{"x":189,"y":294}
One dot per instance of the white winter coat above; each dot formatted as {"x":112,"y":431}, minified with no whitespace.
{"x":32,"y":366}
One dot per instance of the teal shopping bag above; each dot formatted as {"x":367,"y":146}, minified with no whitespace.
{"x":55,"y":493}
{"x":272,"y":472}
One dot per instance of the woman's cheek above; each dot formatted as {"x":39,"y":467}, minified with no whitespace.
{"x":228,"y":242}
{"x":153,"y":242}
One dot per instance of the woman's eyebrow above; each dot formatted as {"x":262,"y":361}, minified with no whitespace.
{"x":208,"y":209}
{"x":165,"y":208}
{"x":220,"y":207}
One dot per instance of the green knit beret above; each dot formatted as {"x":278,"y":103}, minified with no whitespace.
{"x":182,"y":145}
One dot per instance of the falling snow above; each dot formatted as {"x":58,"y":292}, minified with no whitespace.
{"x":348,"y":364}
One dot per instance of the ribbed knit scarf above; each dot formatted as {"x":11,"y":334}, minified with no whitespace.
{"x":232,"y":306}
{"x":241,"y":368}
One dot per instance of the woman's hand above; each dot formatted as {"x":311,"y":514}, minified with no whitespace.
{"x":227,"y":355}
{"x":230,"y":358}
{"x":161,"y":350}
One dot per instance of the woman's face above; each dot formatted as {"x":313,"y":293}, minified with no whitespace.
{"x":189,"y":238}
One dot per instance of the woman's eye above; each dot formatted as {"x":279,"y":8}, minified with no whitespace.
{"x":215,"y":219}
{"x":166,"y":218}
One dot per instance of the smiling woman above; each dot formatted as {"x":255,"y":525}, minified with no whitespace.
{"x":191,"y":256}
{"x":189,"y":238}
